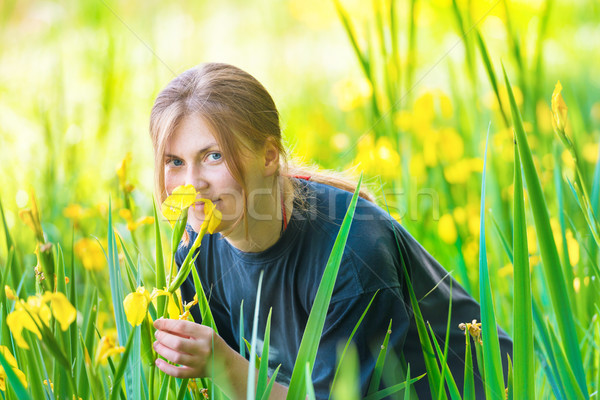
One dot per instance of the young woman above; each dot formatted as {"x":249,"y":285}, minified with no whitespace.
{"x":217,"y":128}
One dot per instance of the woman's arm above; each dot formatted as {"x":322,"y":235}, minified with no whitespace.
{"x":191,"y":346}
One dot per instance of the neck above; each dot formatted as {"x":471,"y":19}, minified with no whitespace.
{"x":265,"y":220}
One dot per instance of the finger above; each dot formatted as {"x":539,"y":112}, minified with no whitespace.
{"x":180,"y":327}
{"x":177,"y":372}
{"x":173,"y":355}
{"x":178,"y":343}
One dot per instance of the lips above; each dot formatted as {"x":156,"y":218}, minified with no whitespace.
{"x":200,"y":204}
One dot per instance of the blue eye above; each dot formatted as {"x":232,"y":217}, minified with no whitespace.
{"x":215,"y":156}
{"x":175,"y":162}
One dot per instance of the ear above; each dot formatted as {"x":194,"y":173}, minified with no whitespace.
{"x":271,"y":158}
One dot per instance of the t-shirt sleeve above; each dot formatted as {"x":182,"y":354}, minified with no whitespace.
{"x":341,"y":319}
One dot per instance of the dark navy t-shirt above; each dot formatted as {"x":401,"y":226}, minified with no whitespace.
{"x":293,"y":268}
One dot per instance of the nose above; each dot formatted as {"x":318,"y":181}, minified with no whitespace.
{"x":195,"y":177}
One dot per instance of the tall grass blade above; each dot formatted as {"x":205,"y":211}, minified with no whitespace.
{"x":318,"y":312}
{"x":269,"y":387}
{"x":469,"y":383}
{"x":116,"y":289}
{"x":161,"y":279}
{"x":446,"y":373}
{"x":510,"y":386}
{"x":263,"y":370}
{"x":251,"y":389}
{"x":548,"y":251}
{"x":378,"y":370}
{"x":116,"y":388}
{"x":207,"y":317}
{"x":364,"y":61}
{"x":241,"y":330}
{"x":491,"y":75}
{"x":524,"y":384}
{"x":431,"y":366}
{"x":348,"y":385}
{"x":564,"y":368}
{"x":494,"y":382}
{"x":310,"y":390}
{"x":341,"y":360}
{"x":393,"y":389}
{"x":408,"y":387}
{"x":543,"y":337}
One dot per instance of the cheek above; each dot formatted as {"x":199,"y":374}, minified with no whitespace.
{"x":171,"y":181}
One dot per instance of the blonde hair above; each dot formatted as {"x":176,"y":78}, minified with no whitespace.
{"x":240,"y":113}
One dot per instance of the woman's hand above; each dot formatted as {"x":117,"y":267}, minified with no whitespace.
{"x":194,"y":347}
{"x":188,"y":344}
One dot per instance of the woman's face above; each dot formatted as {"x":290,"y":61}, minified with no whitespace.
{"x":193,"y":157}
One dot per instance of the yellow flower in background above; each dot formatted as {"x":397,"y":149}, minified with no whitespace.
{"x":559,"y":109}
{"x":181,"y":198}
{"x":136,"y":306}
{"x":107,"y":347}
{"x":132,"y":225}
{"x":90,"y":253}
{"x":28,"y":315}
{"x":379,"y":158}
{"x":10,"y":294}
{"x":590,"y":152}
{"x":62,"y":309}
{"x":447,"y":229}
{"x":491,"y":102}
{"x":403,"y":120}
{"x":573,"y":248}
{"x":423,"y":110}
{"x":352,"y":92}
{"x":430,"y":104}
{"x":13,"y":365}
{"x":531,"y":240}
{"x":122,"y":174}
{"x":73,"y":211}
{"x":451,"y":145}
{"x":458,"y":172}
{"x":31,"y":217}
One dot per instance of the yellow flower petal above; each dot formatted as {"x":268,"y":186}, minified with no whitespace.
{"x":181,"y":198}
{"x":559,"y":108}
{"x":106,"y":348}
{"x":136,"y":306}
{"x":89,"y":251}
{"x":14,"y":366}
{"x":212,"y":216}
{"x":19,"y":320}
{"x":62,"y":309}
{"x":173,"y":308}
{"x":10,"y":294}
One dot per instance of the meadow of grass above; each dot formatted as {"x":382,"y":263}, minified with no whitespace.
{"x":408,"y":93}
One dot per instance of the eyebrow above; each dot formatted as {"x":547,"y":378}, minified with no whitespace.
{"x":202,"y":151}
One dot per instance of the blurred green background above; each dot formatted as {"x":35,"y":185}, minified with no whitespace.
{"x":78,"y":78}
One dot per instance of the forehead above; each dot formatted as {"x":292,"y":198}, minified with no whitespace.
{"x":192,"y":133}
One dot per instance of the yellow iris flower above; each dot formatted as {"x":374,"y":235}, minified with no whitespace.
{"x":106,"y":348}
{"x":35,"y":312}
{"x":559,"y":108}
{"x":13,"y":365}
{"x":136,"y":306}
{"x":181,"y":198}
